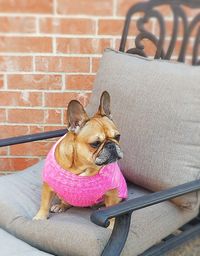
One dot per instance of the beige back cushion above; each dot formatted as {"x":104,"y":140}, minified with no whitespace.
{"x":156,"y":105}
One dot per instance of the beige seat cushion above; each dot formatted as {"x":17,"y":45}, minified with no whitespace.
{"x":156,"y":105}
{"x":72,"y":233}
{"x":11,"y":246}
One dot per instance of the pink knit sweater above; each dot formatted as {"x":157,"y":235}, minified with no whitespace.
{"x":82,"y":191}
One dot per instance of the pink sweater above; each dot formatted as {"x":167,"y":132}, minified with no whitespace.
{"x":82,"y":191}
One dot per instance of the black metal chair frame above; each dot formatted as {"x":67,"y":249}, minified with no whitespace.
{"x":124,"y":210}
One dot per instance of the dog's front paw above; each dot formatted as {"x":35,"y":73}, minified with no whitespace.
{"x":112,"y":223}
{"x":60,"y":207}
{"x":40,"y":216}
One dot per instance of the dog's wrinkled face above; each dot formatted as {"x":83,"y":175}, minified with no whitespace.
{"x":100,"y":140}
{"x":96,"y":139}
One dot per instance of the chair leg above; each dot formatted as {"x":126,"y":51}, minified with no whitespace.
{"x":119,"y":236}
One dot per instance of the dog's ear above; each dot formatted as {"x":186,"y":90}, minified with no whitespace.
{"x":76,"y":116}
{"x":104,"y":107}
{"x":65,"y":151}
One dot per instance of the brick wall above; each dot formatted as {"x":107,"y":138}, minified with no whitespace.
{"x":49,"y":54}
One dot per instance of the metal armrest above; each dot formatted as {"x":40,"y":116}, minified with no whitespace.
{"x":101,"y":217}
{"x":123,"y":211}
{"x":32,"y":137}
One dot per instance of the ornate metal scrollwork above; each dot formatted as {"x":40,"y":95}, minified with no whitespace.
{"x":150,"y":11}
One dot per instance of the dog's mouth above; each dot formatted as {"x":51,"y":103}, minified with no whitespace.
{"x":110,"y":153}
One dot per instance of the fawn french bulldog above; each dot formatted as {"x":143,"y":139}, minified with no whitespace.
{"x":81,"y":168}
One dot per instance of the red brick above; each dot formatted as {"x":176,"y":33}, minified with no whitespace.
{"x":62,"y":64}
{"x":62,"y":99}
{"x":84,"y":99}
{"x":53,"y":128}
{"x":191,"y":12}
{"x":18,"y":24}
{"x":67,"y":26}
{"x":30,"y":6}
{"x":53,"y":116}
{"x":133,"y":30}
{"x":25,"y":116}
{"x":110,"y":27}
{"x":95,"y":64}
{"x":15,"y":63}
{"x":129,"y":44}
{"x":23,"y":98}
{"x":1,"y":81}
{"x":11,"y":130}
{"x":3,"y":151}
{"x":89,"y":95}
{"x":195,"y":31}
{"x":79,"y":82}
{"x":177,"y":48}
{"x":7,"y":131}
{"x":2,"y":115}
{"x":82,"y":45}
{"x":124,"y":5}
{"x":16,"y":164}
{"x":32,"y":82}
{"x":115,"y":27}
{"x":87,"y":7}
{"x":164,"y":10}
{"x":35,"y":129}
{"x":39,"y":148}
{"x":149,"y":47}
{"x":25,"y":44}
{"x":169,"y":29}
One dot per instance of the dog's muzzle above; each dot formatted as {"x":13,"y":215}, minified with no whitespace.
{"x":110,"y":153}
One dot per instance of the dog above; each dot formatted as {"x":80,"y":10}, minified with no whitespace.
{"x":81,"y":168}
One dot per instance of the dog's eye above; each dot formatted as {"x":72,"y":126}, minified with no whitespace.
{"x":117,"y":137}
{"x":95,"y":144}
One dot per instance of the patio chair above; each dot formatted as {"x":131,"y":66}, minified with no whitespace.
{"x":156,"y":106}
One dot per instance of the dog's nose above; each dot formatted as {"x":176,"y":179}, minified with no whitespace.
{"x":114,"y":149}
{"x":110,"y":145}
{"x":110,"y":153}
